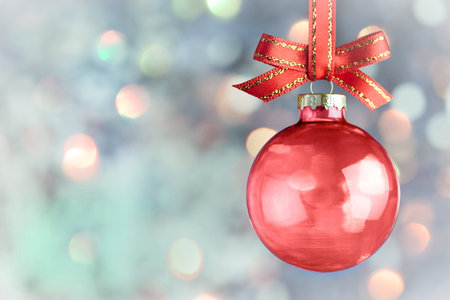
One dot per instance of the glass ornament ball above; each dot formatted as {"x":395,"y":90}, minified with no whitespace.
{"x":323,"y":195}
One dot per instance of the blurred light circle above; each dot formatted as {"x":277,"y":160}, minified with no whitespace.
{"x":418,"y":211}
{"x":188,"y":9}
{"x":243,"y":107}
{"x":415,"y":238}
{"x":372,"y":29}
{"x":299,"y":31}
{"x":371,"y":70}
{"x":385,"y":284}
{"x":80,"y":160}
{"x":5,"y":148}
{"x":394,"y":126}
{"x":132,"y":101}
{"x":233,"y":105}
{"x":430,"y":13}
{"x":280,"y":117}
{"x":437,"y":132}
{"x":404,"y":151}
{"x":264,"y":270}
{"x":389,"y":255}
{"x":440,"y":289}
{"x":50,"y":95}
{"x":257,"y":139}
{"x":37,"y":139}
{"x":81,"y":249}
{"x":438,"y":71}
{"x":155,"y":61}
{"x":223,"y":50}
{"x":225,"y":9}
{"x":410,"y":99}
{"x":185,"y":258}
{"x":206,"y":297}
{"x":408,"y":170}
{"x":80,"y":157}
{"x":274,"y":290}
{"x":447,"y":100}
{"x":112,"y":47}
{"x":443,"y":182}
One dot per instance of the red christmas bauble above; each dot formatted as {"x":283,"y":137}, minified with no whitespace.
{"x":322,"y":194}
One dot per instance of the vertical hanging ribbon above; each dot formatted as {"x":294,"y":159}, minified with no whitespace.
{"x":322,"y":39}
{"x":296,"y":64}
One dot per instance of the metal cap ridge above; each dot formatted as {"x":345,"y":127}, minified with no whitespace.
{"x":325,"y":100}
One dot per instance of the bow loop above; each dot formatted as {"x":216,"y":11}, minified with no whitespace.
{"x":364,"y":51}
{"x":282,"y":53}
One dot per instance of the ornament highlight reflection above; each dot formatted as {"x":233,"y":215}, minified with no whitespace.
{"x":323,"y":194}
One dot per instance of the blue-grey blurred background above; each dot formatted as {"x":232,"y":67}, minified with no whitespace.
{"x":125,"y":151}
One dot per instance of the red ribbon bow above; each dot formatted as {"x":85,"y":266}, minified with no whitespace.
{"x":296,"y":64}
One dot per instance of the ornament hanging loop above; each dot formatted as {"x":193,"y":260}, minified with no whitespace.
{"x":331,"y":87}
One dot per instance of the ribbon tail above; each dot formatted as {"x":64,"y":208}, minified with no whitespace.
{"x":274,"y":83}
{"x":363,"y":87}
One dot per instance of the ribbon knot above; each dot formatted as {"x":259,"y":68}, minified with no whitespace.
{"x":296,"y":64}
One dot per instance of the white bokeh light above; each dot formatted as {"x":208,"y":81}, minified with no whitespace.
{"x":447,"y":101}
{"x":430,"y":13}
{"x":223,"y":50}
{"x":225,"y":9}
{"x":436,"y":132}
{"x":410,"y":99}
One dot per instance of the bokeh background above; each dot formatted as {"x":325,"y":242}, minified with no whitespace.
{"x":125,"y":151}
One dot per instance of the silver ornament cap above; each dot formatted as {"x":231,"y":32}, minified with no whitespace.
{"x":325,"y":100}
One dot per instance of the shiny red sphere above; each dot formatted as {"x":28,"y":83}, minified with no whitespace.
{"x":323,"y":195}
